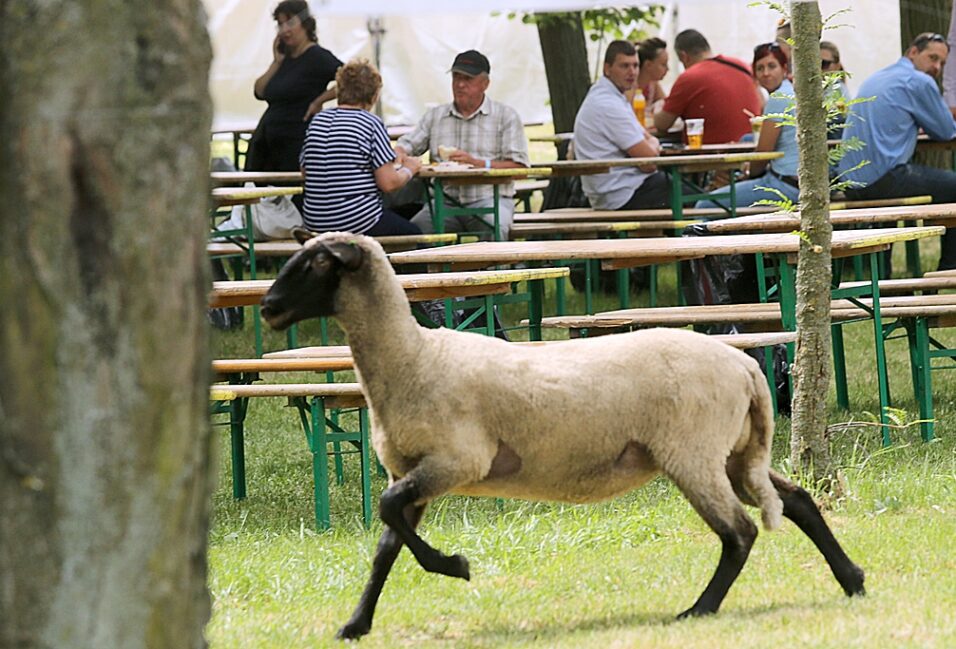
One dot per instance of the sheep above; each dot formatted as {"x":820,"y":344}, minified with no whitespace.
{"x":575,"y":421}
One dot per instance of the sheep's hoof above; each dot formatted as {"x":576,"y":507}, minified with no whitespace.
{"x":456,"y":566}
{"x":852,"y":582}
{"x":695,"y":611}
{"x":353,"y":630}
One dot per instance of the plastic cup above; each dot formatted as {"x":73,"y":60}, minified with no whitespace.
{"x":695,"y":132}
{"x":444,"y":151}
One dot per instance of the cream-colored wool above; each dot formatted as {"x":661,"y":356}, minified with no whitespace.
{"x":588,"y":419}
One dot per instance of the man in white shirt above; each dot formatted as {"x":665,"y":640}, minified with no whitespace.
{"x":606,"y":127}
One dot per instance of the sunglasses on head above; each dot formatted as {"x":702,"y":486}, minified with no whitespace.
{"x":923,"y":39}
{"x":769,"y":47}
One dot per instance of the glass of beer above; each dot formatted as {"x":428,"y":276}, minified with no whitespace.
{"x":695,"y":132}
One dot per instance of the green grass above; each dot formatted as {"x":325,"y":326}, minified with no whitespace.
{"x":607,"y":575}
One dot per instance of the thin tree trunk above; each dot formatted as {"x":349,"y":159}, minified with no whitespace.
{"x":565,"y":56}
{"x":104,"y":436}
{"x":811,"y":372}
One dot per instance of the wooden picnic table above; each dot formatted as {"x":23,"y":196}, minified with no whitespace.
{"x":680,"y":168}
{"x":438,"y":177}
{"x":225,"y":196}
{"x":584,"y":214}
{"x":266,"y":177}
{"x":524,"y":230}
{"x":425,"y":286}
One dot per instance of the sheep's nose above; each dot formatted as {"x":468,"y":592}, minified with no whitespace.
{"x":269,"y":304}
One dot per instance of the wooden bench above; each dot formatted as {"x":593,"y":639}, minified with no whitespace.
{"x":588,"y":214}
{"x":288,"y":247}
{"x":917,"y":314}
{"x":319,"y":406}
{"x":524,"y":189}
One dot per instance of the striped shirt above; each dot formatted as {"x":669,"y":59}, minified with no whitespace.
{"x":492,"y":132}
{"x":343,"y":148}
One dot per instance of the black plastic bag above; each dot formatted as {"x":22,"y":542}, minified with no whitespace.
{"x":732,"y":279}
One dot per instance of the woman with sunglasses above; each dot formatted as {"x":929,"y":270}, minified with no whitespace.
{"x":770,"y":71}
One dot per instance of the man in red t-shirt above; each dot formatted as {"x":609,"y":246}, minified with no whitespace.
{"x":720,"y":89}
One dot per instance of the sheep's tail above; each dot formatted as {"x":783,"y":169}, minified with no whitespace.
{"x":757,"y":452}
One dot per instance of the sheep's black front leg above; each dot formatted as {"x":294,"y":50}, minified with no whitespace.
{"x":393,"y":501}
{"x":799,"y":507}
{"x":389,"y":545}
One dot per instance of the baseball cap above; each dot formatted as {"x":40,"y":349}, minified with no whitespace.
{"x":471,"y":63}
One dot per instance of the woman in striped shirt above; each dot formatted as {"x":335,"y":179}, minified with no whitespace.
{"x":348,"y":162}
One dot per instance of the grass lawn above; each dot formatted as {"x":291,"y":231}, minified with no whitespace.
{"x":608,"y":575}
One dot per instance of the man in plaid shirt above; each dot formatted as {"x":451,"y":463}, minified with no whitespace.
{"x":472,"y":130}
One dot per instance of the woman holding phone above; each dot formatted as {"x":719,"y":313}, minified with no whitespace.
{"x":295,"y":86}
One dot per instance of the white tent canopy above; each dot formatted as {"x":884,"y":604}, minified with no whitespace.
{"x":421,"y":40}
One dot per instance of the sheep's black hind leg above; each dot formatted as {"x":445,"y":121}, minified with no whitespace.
{"x":721,"y":510}
{"x":799,"y":507}
{"x":394,"y":500}
{"x":389,"y":545}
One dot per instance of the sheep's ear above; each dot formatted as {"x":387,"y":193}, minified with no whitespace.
{"x":302,"y":235}
{"x":348,"y":254}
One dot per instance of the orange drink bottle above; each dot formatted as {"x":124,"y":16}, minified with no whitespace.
{"x":640,"y":105}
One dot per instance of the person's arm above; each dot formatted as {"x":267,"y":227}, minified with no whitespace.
{"x":417,"y":141}
{"x":388,"y":177}
{"x":766,"y":141}
{"x":318,"y":102}
{"x":512,"y":150}
{"x":663,"y":120}
{"x":931,"y":112}
{"x":259,"y":87}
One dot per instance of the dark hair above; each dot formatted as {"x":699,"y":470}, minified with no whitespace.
{"x":298,"y":8}
{"x":616,"y":48}
{"x":832,"y":49}
{"x":649,"y":48}
{"x":691,"y":41}
{"x":772,"y":49}
{"x":357,"y":82}
{"x":922,"y":41}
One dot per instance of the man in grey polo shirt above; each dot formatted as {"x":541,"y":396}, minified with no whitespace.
{"x":606,"y":127}
{"x":482,"y":133}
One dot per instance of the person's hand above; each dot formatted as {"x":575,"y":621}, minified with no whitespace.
{"x":412,"y":163}
{"x":465,"y":158}
{"x":277,"y":55}
{"x":648,"y":169}
{"x":313,"y":108}
{"x":401,"y":155}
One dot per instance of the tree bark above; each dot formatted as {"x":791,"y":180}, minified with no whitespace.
{"x":811,"y":372}
{"x":916,"y":18}
{"x":565,"y":56}
{"x":104,"y":436}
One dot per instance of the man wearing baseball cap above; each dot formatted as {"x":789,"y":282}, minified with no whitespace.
{"x":475,"y":130}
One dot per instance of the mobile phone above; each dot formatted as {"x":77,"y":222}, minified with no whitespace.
{"x":280,"y":48}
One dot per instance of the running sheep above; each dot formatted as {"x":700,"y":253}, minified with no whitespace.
{"x":576,"y":421}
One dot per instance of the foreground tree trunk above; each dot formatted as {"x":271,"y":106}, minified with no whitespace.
{"x":565,"y":56}
{"x":811,"y":371}
{"x":104,"y":437}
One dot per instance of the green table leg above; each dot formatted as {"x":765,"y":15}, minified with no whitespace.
{"x":535,"y":308}
{"x":880,"y":349}
{"x":438,"y":214}
{"x":237,"y":416}
{"x":924,"y":388}
{"x":839,"y":366}
{"x":497,"y":219}
{"x":318,"y":445}
{"x":588,"y":286}
{"x":366,"y":473}
{"x":677,"y":196}
{"x":912,"y":258}
{"x":560,"y":296}
{"x":652,"y":289}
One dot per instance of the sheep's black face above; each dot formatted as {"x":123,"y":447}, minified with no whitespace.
{"x":307,"y":284}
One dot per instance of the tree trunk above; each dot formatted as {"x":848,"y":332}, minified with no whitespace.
{"x":566,"y":66}
{"x":104,"y":435}
{"x":916,"y":18}
{"x":811,"y":371}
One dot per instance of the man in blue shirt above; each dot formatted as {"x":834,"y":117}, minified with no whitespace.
{"x":906,"y":98}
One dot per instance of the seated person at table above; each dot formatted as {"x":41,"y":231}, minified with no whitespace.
{"x":348,"y":162}
{"x":839,"y":92}
{"x":651,"y":69}
{"x":718,"y":88}
{"x":906,"y":98}
{"x":605,"y":127}
{"x":770,"y":69}
{"x":483,"y":133}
